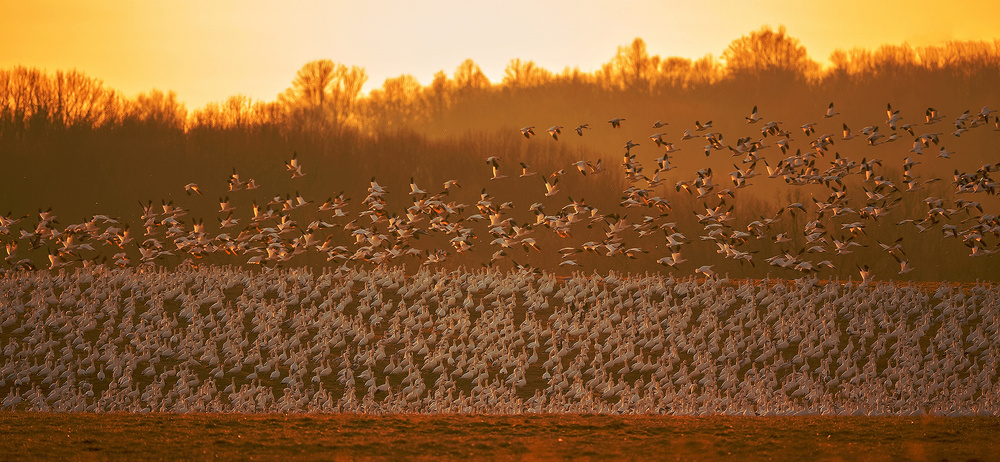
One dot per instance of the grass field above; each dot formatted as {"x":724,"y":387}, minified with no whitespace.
{"x":47,"y":436}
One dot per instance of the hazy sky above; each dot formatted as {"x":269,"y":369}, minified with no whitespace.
{"x":209,"y":50}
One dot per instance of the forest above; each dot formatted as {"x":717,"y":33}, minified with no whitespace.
{"x":75,"y":149}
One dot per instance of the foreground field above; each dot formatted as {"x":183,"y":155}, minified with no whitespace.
{"x":346,"y":436}
{"x":223,"y":339}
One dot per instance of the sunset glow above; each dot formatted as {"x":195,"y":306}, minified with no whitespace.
{"x":209,"y":51}
{"x":644,"y":221}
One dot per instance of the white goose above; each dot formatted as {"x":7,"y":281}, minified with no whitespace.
{"x":829,"y":112}
{"x":550,"y":187}
{"x":554,"y":131}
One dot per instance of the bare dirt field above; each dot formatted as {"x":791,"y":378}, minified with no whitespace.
{"x":72,"y":436}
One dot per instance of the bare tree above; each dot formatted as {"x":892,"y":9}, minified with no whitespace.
{"x":525,"y":74}
{"x":440,"y":92}
{"x":157,"y":108}
{"x":324,"y":93}
{"x":398,"y":104}
{"x":767,"y":51}
{"x":630,"y":68}
{"x":469,"y":77}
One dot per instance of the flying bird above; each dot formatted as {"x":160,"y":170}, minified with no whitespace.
{"x":525,"y":172}
{"x":555,"y":130}
{"x":294,"y":166}
{"x":829,"y":112}
{"x":550,"y":188}
{"x":495,"y":163}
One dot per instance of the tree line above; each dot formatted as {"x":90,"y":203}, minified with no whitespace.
{"x":327,"y":96}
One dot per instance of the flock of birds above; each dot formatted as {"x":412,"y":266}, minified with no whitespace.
{"x":230,"y":339}
{"x":126,"y":333}
{"x":641,"y":226}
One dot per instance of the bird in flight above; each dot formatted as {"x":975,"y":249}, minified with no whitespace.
{"x":555,"y":131}
{"x":829,"y":111}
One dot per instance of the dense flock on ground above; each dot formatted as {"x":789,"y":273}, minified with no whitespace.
{"x":227,"y":339}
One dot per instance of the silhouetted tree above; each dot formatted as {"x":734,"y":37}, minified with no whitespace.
{"x":767,"y":51}
{"x":630,"y":68}
{"x":705,"y":71}
{"x":469,"y":77}
{"x":674,"y":72}
{"x":574,"y":77}
{"x":19,"y":89}
{"x":439,"y":92}
{"x":324,"y":93}
{"x":525,"y":74}
{"x":400,"y":103}
{"x":79,"y":100}
{"x":156,"y":108}
{"x":64,"y":99}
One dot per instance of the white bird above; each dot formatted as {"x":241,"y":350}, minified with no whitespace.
{"x":904,"y":265}
{"x":847,"y":132}
{"x":525,"y":172}
{"x":495,"y":163}
{"x":582,"y":166}
{"x":294,"y":166}
{"x":706,"y":270}
{"x":555,"y":131}
{"x":866,"y":274}
{"x":224,"y":206}
{"x":829,"y":111}
{"x":985,"y":113}
{"x":414,"y":190}
{"x":550,"y":188}
{"x":234,"y":181}
{"x":673,"y":259}
{"x":932,"y":116}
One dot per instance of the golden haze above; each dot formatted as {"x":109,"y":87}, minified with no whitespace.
{"x":209,"y":51}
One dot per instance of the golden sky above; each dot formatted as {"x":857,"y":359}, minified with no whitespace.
{"x":209,"y":50}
